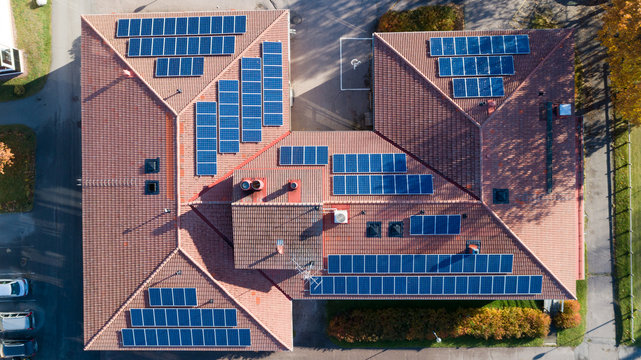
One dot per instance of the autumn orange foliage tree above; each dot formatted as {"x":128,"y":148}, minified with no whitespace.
{"x":621,"y":35}
{"x":6,"y":157}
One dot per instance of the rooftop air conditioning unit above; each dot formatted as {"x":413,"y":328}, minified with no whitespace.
{"x":340,"y":217}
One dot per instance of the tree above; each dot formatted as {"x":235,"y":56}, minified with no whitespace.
{"x":621,"y":35}
{"x":6,"y":157}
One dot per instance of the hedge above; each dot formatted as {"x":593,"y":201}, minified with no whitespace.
{"x":373,"y":325}
{"x":424,"y":18}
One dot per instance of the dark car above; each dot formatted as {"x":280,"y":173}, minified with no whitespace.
{"x":10,"y":349}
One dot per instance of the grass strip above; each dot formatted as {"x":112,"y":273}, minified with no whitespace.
{"x":33,"y":31}
{"x":574,"y":336}
{"x":16,"y":184}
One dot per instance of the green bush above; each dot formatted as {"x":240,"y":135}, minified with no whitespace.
{"x":424,"y":18}
{"x":570,"y":317}
{"x":373,"y":325}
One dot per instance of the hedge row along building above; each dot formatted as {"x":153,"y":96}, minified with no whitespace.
{"x":204,"y":216}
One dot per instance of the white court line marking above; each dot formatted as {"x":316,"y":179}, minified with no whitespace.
{"x":340,"y":61}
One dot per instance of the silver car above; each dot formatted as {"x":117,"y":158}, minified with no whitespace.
{"x":10,"y":349}
{"x":13,"y":287}
{"x":17,"y":321}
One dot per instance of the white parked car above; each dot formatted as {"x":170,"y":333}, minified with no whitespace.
{"x":17,"y":321}
{"x":13,"y":287}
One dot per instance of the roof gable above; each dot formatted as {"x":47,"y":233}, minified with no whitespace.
{"x":166,"y":88}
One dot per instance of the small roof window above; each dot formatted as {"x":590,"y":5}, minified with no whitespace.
{"x":500,"y":196}
{"x":152,"y":165}
{"x":395,"y":229}
{"x":373,"y":229}
{"x":152,"y":187}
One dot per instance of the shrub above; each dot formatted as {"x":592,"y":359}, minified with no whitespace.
{"x":6,"y":157}
{"x":372,"y":325}
{"x":18,"y":90}
{"x":424,"y":18}
{"x":570,"y":317}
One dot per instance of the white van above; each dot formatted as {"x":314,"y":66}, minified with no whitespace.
{"x":16,"y":321}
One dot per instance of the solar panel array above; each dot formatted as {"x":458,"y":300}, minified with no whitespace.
{"x":183,"y":317}
{"x":272,"y":83}
{"x":185,"y":337}
{"x":480,"y":45}
{"x":435,"y":225}
{"x":369,"y":163}
{"x":172,"y":297}
{"x":203,"y":25}
{"x":228,"y":108}
{"x":187,"y":66}
{"x":477,"y":65}
{"x":181,"y":46}
{"x":478,"y":87}
{"x":252,"y":102}
{"x":426,"y":285}
{"x":303,"y":155}
{"x":419,"y":263}
{"x":206,"y":138}
{"x":383,"y":185}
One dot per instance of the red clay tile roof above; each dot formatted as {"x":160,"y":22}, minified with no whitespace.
{"x":214,"y":229}
{"x":128,"y":119}
{"x":258,"y":227}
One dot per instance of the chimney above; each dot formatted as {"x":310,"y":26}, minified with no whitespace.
{"x":280,"y":246}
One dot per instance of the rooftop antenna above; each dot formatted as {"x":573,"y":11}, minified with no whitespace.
{"x":306,"y":271}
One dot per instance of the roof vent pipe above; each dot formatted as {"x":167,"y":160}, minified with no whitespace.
{"x":293,"y":185}
{"x":280,"y":246}
{"x":257,"y":185}
{"x":245,"y":185}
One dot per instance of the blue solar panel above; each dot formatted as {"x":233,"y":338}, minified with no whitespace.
{"x":171,"y":317}
{"x":229,"y":129}
{"x":145,"y":27}
{"x":204,"y":25}
{"x":193,"y":337}
{"x":172,"y":297}
{"x":252,"y":109}
{"x":435,"y":225}
{"x":196,"y":45}
{"x":480,"y":45}
{"x":522,"y":44}
{"x":303,"y":155}
{"x":476,"y":87}
{"x":419,"y":263}
{"x":536,"y":283}
{"x":510,"y":284}
{"x":369,"y":163}
{"x":181,"y":67}
{"x":448,"y":46}
{"x":436,"y":47}
{"x":383,"y":184}
{"x":272,"y":82}
{"x":473,"y":66}
{"x":205,"y":138}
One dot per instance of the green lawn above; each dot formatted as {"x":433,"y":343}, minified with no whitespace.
{"x":635,"y":139}
{"x":33,"y":30}
{"x":622,"y":229}
{"x":574,"y":336}
{"x":16,"y":184}
{"x":335,"y":307}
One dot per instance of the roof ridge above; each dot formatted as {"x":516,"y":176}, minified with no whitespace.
{"x":527,"y":78}
{"x":206,"y":88}
{"x":131,"y":68}
{"x":224,"y":289}
{"x":429,"y":166}
{"x":130,"y":298}
{"x":449,"y":99}
{"x":530,"y":252}
{"x":231,"y":172}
